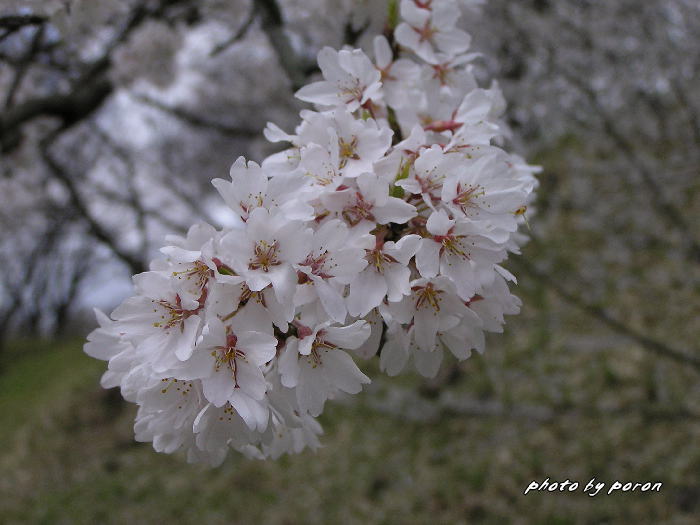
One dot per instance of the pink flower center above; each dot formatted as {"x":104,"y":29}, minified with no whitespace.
{"x":426,"y":32}
{"x":466,"y":196}
{"x":198,"y":274}
{"x":175,"y":315}
{"x":264,"y":256}
{"x":361,"y":210}
{"x":427,"y":297}
{"x":378,"y":259}
{"x":318,"y":264}
{"x":348,"y":151}
{"x":228,"y":355}
{"x":451,"y":244}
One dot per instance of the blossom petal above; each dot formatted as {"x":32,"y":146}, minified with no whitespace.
{"x":428,"y":363}
{"x":428,"y":258}
{"x":366,"y":292}
{"x":348,"y":337}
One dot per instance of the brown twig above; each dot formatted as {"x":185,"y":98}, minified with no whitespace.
{"x":196,"y":120}
{"x":136,"y":264}
{"x":88,"y":92}
{"x":240,"y":33}
{"x":647,"y":343}
{"x":23,"y":66}
{"x":296,"y":68}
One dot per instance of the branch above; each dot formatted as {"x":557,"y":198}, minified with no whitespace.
{"x":12,"y":23}
{"x":133,"y":198}
{"x":89,"y":91}
{"x":70,"y":108}
{"x":115,"y":196}
{"x":350,"y":35}
{"x":78,"y":270}
{"x":16,"y":284}
{"x":659,"y":200}
{"x":223,"y":46}
{"x":17,"y":21}
{"x":195,"y":120}
{"x":296,"y":68}
{"x":135,"y":264}
{"x":692,"y":113}
{"x":190,"y":202}
{"x":23,"y":66}
{"x":657,"y":194}
{"x":597,"y":312}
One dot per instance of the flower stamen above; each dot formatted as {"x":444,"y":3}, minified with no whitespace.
{"x":265,"y":256}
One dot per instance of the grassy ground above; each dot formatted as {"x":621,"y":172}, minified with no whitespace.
{"x":67,"y":453}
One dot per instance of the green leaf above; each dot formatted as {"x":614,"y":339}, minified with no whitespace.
{"x":397,"y":191}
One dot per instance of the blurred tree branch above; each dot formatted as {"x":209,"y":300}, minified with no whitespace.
{"x":14,"y":284}
{"x":132,"y":199}
{"x":599,"y":313}
{"x":76,"y":271}
{"x":23,"y":66}
{"x":70,"y":108}
{"x":619,"y":140}
{"x":72,"y":92}
{"x":88,"y":92}
{"x":693,"y":117}
{"x":197,"y":121}
{"x":13,"y":23}
{"x":136,"y":264}
{"x":238,"y":35}
{"x":656,"y":193}
{"x":296,"y":67}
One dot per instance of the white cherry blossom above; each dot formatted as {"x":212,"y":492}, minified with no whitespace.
{"x":350,"y":79}
{"x":486,"y":189}
{"x":229,"y":360}
{"x":458,"y":250}
{"x":316,"y":365}
{"x":157,"y":323}
{"x":265,"y":250}
{"x":396,"y":74}
{"x":380,"y":229}
{"x":359,"y":143}
{"x":386,"y":276}
{"x":370,"y":201}
{"x":428,"y":172}
{"x":251,"y":188}
{"x":429,"y":29}
{"x":333,"y":259}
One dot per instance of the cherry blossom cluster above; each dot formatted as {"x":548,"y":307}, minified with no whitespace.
{"x":380,"y":229}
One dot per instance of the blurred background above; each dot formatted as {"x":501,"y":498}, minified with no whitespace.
{"x":116,"y":114}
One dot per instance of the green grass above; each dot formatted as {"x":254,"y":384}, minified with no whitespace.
{"x":40,"y":375}
{"x":67,"y":456}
